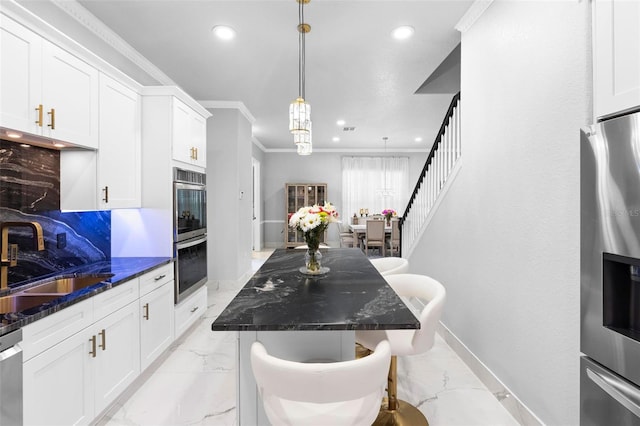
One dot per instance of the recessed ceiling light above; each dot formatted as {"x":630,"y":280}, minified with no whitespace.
{"x":223,"y":32}
{"x":418,"y":139}
{"x":59,"y":145}
{"x":402,"y":32}
{"x":340,"y":122}
{"x":335,"y":139}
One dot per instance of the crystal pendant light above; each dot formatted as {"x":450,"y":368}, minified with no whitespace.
{"x":300,"y":110}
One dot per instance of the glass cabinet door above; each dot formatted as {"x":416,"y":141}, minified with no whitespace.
{"x":297,"y":196}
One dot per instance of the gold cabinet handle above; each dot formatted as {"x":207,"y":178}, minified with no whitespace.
{"x":40,"y":110}
{"x":52,"y":113}
{"x":103,"y":334}
{"x":196,"y":150}
{"x":106,"y":194}
{"x":92,"y":352}
{"x":146,"y":311}
{"x":192,"y":153}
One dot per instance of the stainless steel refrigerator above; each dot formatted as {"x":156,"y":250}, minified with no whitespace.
{"x":610,"y":272}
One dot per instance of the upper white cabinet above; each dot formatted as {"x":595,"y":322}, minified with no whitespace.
{"x":189,"y":135}
{"x":45,"y":90}
{"x":119,"y":163}
{"x":616,"y":58}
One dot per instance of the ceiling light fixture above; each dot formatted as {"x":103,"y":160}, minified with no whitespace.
{"x":300,"y":110}
{"x":403,"y":32}
{"x":335,"y":139}
{"x":340,"y":122}
{"x":223,"y":32}
{"x":418,"y":139}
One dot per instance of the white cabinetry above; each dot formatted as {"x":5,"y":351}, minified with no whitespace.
{"x":109,"y":178}
{"x":156,"y":320}
{"x":44,"y":89}
{"x":190,"y":309}
{"x":616,"y":56}
{"x":119,"y":166}
{"x":189,"y":135}
{"x":80,"y":359}
{"x":79,"y":374}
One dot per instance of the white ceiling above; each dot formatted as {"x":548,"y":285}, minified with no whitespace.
{"x":355,"y":71}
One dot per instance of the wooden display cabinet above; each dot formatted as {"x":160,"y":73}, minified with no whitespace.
{"x":300,"y":195}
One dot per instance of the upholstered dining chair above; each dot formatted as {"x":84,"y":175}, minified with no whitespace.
{"x":334,"y":393}
{"x":391,"y":265}
{"x":394,"y":241}
{"x":374,"y":236}
{"x":418,"y":290}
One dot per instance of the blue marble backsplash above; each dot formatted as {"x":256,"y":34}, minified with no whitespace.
{"x":30,"y":191}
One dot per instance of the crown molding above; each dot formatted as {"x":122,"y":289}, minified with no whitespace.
{"x":240,"y":106}
{"x":474,"y":12}
{"x":257,"y":143}
{"x":107,"y":35}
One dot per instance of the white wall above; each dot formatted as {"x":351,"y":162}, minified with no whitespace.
{"x":505,"y":241}
{"x":229,"y":214}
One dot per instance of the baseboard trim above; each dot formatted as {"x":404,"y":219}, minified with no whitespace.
{"x":509,"y":401}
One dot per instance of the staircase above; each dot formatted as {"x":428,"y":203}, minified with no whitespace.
{"x":441,"y":164}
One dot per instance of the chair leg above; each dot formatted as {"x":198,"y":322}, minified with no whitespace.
{"x":396,"y":411}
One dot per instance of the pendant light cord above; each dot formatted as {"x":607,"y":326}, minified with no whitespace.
{"x":301,"y":50}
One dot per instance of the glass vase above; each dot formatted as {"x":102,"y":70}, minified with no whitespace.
{"x":313,"y":260}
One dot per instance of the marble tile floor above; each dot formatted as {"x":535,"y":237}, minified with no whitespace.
{"x":194,"y":382}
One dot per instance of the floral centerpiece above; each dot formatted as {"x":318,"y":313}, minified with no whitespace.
{"x":312,"y":222}
{"x":388,"y":214}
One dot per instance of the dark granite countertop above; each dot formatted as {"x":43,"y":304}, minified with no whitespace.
{"x":122,"y":268}
{"x":351,"y":296}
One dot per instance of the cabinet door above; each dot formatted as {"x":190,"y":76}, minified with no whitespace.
{"x":156,"y":323}
{"x":117,"y":363}
{"x":20,"y":78}
{"x":181,"y":132}
{"x":119,"y":163}
{"x":199,"y":139}
{"x":70,"y":97}
{"x":616,"y":38}
{"x":58,"y":384}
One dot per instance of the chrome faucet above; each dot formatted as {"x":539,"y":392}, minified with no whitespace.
{"x":9,"y":252}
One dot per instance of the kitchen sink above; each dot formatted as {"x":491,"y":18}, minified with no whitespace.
{"x":21,"y":302}
{"x":67,"y":284}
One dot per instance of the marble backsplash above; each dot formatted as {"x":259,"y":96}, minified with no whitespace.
{"x":29,"y":177}
{"x":30,"y":191}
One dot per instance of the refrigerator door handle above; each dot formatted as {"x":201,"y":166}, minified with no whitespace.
{"x":618,"y":390}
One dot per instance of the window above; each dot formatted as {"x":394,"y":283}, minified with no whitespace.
{"x":374,"y":183}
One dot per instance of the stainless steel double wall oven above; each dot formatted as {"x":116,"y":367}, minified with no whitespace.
{"x":610,"y":272}
{"x":190,"y":231}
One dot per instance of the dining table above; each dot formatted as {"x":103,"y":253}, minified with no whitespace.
{"x":302,"y":317}
{"x":360,"y":230}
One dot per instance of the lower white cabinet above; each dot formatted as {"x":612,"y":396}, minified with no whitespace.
{"x":74,"y":380}
{"x":58,"y":384}
{"x":190,"y":309}
{"x":156,"y":323}
{"x":117,"y":355}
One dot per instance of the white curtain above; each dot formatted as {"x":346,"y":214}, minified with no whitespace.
{"x":374,"y":183}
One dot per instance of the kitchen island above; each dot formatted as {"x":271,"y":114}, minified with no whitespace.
{"x":304,"y":317}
